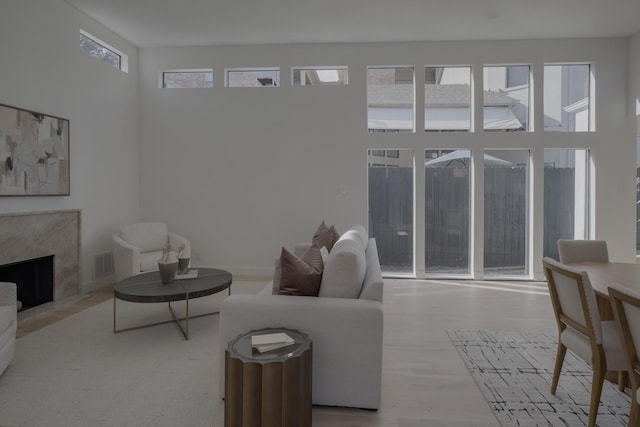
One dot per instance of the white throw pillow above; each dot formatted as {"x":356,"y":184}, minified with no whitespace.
{"x":344,"y":270}
{"x":362,"y":234}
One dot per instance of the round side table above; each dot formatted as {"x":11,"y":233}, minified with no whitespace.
{"x":270,"y":389}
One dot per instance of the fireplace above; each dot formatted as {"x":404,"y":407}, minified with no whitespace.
{"x":35,"y":235}
{"x":33,"y":278}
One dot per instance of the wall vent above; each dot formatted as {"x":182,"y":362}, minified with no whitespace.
{"x":103,"y":265}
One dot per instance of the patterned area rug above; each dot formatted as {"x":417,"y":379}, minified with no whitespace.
{"x":514,"y":371}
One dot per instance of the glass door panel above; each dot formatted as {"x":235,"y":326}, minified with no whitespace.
{"x":566,"y":197}
{"x":447,"y":197}
{"x":506,"y":196}
{"x":391,"y":208}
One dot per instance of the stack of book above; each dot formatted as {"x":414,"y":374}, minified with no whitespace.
{"x":268,"y":342}
{"x":190,"y":274}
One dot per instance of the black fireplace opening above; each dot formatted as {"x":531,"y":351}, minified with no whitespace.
{"x":33,"y":278}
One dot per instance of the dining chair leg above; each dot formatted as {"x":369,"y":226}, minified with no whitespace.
{"x":599,"y":370}
{"x":562,"y":351}
{"x":622,"y":380}
{"x":633,"y":415}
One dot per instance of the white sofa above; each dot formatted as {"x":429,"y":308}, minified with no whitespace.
{"x":8,"y":323}
{"x":138,"y":247}
{"x":346,"y":333}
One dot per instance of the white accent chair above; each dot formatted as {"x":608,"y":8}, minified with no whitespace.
{"x":626,"y":309}
{"x":138,"y":247}
{"x":582,"y":251}
{"x":8,"y":323}
{"x":580,"y":329}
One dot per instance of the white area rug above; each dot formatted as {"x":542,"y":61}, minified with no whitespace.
{"x":77,"y":372}
{"x":514,"y":371}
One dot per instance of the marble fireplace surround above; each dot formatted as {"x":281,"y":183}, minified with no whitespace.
{"x":28,"y":235}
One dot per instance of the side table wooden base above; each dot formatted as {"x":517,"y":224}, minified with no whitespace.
{"x":264,"y":390}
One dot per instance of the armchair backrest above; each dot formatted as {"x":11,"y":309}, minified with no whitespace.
{"x":573,"y":299}
{"x":147,"y":236}
{"x":582,"y":250}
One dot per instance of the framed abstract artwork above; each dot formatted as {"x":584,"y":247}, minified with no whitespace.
{"x":34,"y":153}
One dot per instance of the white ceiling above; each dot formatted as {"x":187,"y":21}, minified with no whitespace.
{"x":148,"y":23}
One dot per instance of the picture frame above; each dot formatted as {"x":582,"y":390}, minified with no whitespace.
{"x":34,"y":153}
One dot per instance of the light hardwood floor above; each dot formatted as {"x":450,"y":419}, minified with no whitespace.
{"x":425,"y":383}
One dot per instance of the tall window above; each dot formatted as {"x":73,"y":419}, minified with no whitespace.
{"x":187,"y":79}
{"x":566,"y":201}
{"x":101,"y":50}
{"x":506,"y":202}
{"x":447,"y":97}
{"x":567,"y":98}
{"x":253,"y":77}
{"x":391,"y":208}
{"x":506,"y":98}
{"x":447,"y":189}
{"x":390,"y":99}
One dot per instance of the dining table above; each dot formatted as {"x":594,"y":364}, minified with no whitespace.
{"x":603,"y":274}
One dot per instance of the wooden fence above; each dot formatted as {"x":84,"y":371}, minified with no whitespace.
{"x":447,"y":203}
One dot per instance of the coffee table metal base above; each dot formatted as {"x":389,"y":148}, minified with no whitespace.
{"x":176,"y":320}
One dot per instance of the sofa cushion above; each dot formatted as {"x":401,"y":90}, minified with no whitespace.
{"x":345,"y":268}
{"x":147,"y":236}
{"x":149,"y":260}
{"x":372,"y":284}
{"x":325,"y":236}
{"x":7,"y":316}
{"x":300,"y":276}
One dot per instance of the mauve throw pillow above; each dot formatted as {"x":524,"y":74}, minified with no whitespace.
{"x":300,"y":276}
{"x":325,"y":236}
{"x":276,"y":278}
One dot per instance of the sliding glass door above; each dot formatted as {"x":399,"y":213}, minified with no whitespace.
{"x":391,"y":207}
{"x":566,"y":194}
{"x":447,"y":186}
{"x":506,"y":205}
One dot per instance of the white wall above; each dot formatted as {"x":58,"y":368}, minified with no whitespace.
{"x":634,"y":75}
{"x":243,"y":171}
{"x":43,"y":69}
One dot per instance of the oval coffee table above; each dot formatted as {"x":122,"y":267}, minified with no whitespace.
{"x":148,"y":288}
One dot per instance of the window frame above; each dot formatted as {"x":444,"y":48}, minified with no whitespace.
{"x":278,"y":83}
{"x":123,"y":62}
{"x":395,"y":83}
{"x":439,"y":71}
{"x":591,"y":96}
{"x":340,"y":82}
{"x":163,"y":73}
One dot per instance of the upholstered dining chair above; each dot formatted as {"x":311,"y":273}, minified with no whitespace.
{"x":582,"y":250}
{"x":626,"y":309}
{"x":580,"y":329}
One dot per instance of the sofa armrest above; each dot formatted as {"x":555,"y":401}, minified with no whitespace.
{"x":346,"y":335}
{"x":176,"y":241}
{"x":126,"y":258}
